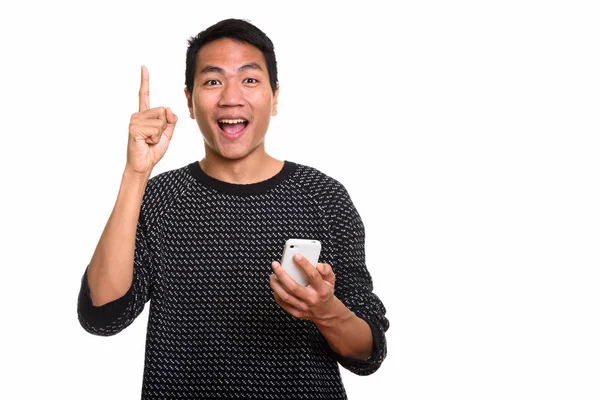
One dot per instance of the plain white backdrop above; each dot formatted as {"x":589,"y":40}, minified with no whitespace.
{"x":466,"y":132}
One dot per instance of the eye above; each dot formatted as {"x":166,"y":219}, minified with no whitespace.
{"x":212,"y":82}
{"x":250,"y":80}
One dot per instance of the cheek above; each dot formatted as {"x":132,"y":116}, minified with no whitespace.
{"x":202,"y":107}
{"x":264,"y":102}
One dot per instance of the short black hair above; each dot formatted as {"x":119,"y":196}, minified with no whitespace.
{"x":236,"y":29}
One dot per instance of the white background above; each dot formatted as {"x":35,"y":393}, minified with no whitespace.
{"x":466,"y":132}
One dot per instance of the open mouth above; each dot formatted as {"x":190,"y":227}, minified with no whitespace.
{"x":232,"y":126}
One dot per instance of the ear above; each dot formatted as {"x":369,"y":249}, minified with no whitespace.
{"x":190,"y":103}
{"x":275,"y":96}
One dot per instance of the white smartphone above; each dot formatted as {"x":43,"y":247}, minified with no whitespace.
{"x":309,"y":248}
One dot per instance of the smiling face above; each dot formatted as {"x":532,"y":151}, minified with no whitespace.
{"x":232,"y":100}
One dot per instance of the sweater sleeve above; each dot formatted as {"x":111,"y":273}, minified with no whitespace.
{"x":111,"y":318}
{"x":354,"y":285}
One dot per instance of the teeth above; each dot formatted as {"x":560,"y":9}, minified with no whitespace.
{"x":232,"y":121}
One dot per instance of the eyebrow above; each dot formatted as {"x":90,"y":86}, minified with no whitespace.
{"x":221,"y":71}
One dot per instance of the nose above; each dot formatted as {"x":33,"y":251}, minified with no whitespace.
{"x":231,"y":95}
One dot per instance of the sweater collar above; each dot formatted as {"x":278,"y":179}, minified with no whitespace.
{"x":242,"y":189}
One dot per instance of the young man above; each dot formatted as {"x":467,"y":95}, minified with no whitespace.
{"x":200,"y":242}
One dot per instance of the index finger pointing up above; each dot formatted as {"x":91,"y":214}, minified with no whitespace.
{"x":145,"y":90}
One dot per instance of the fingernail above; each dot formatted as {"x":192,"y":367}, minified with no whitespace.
{"x":298,"y":256}
{"x":274,"y":264}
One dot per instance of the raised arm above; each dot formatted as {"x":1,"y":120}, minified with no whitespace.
{"x":110,"y":273}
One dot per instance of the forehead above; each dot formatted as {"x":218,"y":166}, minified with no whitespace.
{"x":229,"y":54}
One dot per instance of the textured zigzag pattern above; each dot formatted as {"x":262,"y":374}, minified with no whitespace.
{"x":203,"y":257}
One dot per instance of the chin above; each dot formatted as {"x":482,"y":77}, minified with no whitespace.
{"x":234,"y":154}
{"x":238,"y":151}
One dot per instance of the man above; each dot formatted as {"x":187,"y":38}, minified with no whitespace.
{"x":200,"y":242}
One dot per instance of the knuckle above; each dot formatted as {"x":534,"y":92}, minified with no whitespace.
{"x":135,"y":130}
{"x":285,"y":297}
{"x":294,"y":289}
{"x":313,"y":274}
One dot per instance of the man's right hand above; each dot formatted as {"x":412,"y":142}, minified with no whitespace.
{"x":150,"y":131}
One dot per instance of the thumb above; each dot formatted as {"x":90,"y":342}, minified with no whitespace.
{"x":171,"y":122}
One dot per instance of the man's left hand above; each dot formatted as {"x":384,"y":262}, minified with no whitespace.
{"x":315,"y":302}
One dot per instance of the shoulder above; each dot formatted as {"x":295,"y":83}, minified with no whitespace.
{"x":164,"y":188}
{"x":327,"y":191}
{"x":317,"y":182}
{"x":169,"y":181}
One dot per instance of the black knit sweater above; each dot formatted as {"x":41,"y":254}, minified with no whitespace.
{"x":203,"y":256}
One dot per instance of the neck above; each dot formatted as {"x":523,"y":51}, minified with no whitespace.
{"x":254,"y":167}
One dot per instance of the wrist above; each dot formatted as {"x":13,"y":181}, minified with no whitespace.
{"x":339,"y":316}
{"x":133,"y":184}
{"x":133,"y":176}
